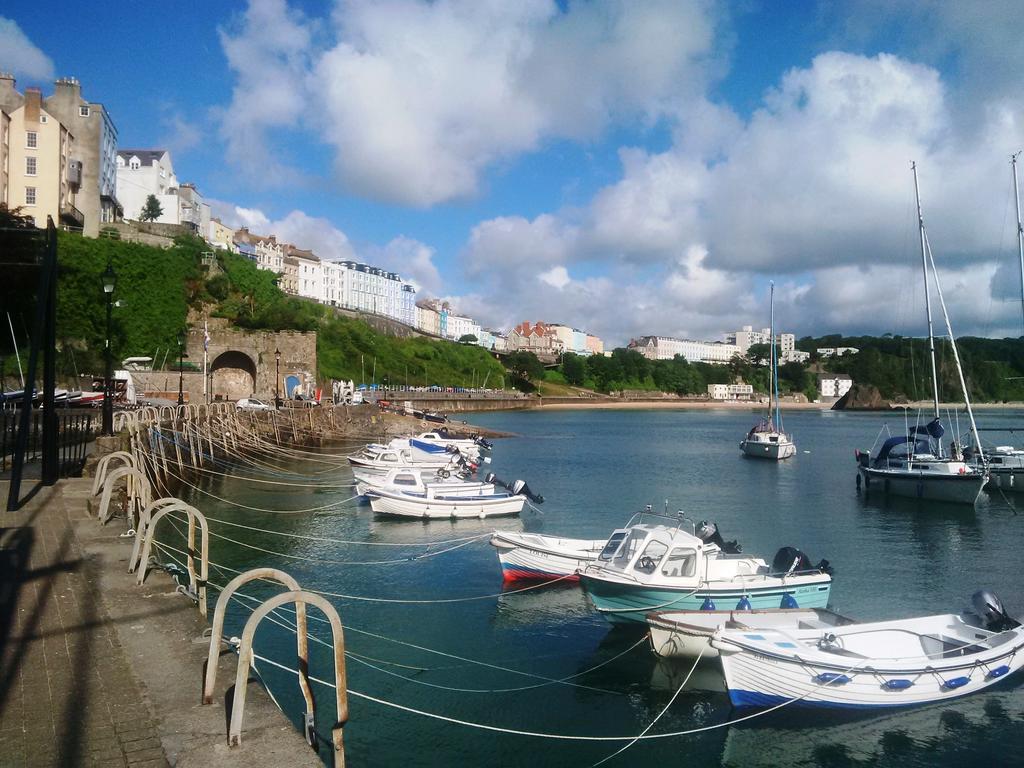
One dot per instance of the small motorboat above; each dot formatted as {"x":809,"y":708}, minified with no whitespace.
{"x":663,"y":562}
{"x":687,"y":634}
{"x":878,"y":664}
{"x":379,"y":460}
{"x":413,"y":480}
{"x":533,"y":556}
{"x":435,"y":504}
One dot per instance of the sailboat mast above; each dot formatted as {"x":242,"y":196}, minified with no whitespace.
{"x":1020,"y":229}
{"x":956,"y":358}
{"x":773,"y":385}
{"x":927,"y":292}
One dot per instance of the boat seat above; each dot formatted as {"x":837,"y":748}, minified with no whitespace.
{"x":939,"y":647}
{"x":813,"y":624}
{"x":841,"y":652}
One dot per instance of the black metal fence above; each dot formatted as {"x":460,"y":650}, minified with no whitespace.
{"x":75,"y":430}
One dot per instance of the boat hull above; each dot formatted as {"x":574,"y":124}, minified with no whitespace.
{"x":446,"y":508}
{"x":764,"y":680}
{"x":956,"y":489}
{"x":535,"y":557}
{"x":771,"y":451}
{"x":674,"y":634}
{"x":628,"y":603}
{"x":1011,"y":480}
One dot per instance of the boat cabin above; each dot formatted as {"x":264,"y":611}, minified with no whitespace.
{"x":657,"y":549}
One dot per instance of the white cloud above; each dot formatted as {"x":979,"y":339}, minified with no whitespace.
{"x":556,"y":277}
{"x":268,"y":50}
{"x":419,"y":99}
{"x":20,"y":56}
{"x":413,"y":260}
{"x":816,"y":185}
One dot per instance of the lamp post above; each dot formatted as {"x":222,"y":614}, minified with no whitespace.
{"x":277,"y":378}
{"x":181,"y":370}
{"x":109,"y":278}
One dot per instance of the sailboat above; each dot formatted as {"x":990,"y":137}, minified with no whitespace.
{"x":766,"y":439}
{"x":1005,"y":463}
{"x":913,"y":464}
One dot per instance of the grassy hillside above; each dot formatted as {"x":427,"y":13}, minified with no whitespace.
{"x":158,"y":286}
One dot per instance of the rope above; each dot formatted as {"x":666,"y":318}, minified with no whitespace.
{"x":655,"y":720}
{"x":644,"y":736}
{"x":307,"y":558}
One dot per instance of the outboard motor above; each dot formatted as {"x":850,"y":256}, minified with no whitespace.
{"x":520,"y":487}
{"x":709,"y":534}
{"x":485,"y":444}
{"x":990,"y":610}
{"x":792,"y":560}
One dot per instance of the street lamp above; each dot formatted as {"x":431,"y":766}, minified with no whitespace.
{"x":109,"y":278}
{"x":277,"y":378}
{"x":181,"y":370}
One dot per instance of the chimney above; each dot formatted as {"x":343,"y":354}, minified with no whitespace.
{"x":33,"y":104}
{"x":68,"y":87}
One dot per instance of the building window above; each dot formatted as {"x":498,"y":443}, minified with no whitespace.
{"x":83,"y":111}
{"x":42,"y":118}
{"x":31,"y":139}
{"x":30,"y":195}
{"x":30,"y":166}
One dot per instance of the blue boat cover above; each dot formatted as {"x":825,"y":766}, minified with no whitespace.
{"x":933,"y":428}
{"x":920,"y":446}
{"x":427,"y":447}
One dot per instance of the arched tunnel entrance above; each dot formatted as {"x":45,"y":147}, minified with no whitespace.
{"x":233,"y":375}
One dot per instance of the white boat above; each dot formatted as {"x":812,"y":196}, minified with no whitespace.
{"x":435,"y":505}
{"x":533,"y":556}
{"x":662,"y":562}
{"x":380,"y":460}
{"x":768,"y":439}
{"x":918,"y":469}
{"x":1005,"y":465}
{"x":687,"y":634}
{"x":877,"y":664}
{"x":407,"y":479}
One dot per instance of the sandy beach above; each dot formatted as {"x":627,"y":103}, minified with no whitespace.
{"x":740,"y":405}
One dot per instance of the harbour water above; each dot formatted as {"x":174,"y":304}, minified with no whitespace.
{"x":430,"y":628}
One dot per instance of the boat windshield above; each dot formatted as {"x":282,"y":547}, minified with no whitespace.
{"x":629,"y":548}
{"x":612,"y":545}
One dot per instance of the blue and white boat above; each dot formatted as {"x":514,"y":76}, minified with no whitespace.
{"x":871,"y":665}
{"x":660,"y":562}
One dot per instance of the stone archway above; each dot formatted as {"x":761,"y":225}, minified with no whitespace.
{"x":233,"y":375}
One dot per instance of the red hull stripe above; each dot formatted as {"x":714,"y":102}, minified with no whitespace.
{"x":514,"y":574}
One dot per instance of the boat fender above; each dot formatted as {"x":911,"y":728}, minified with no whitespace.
{"x":744,"y":604}
{"x":997,"y":672}
{"x":788,"y":601}
{"x":708,"y":604}
{"x":897,"y":684}
{"x":831,"y":678}
{"x":956,"y":682}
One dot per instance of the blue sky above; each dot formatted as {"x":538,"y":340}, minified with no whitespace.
{"x":624,"y":167}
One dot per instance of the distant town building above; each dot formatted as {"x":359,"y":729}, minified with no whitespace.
{"x":40,"y":175}
{"x":836,"y":351}
{"x":94,"y":156}
{"x":747,"y":337}
{"x":289,"y":280}
{"x":220,"y":236}
{"x":265,"y":251}
{"x":666,"y":348}
{"x":595,"y":346}
{"x":353,"y":285}
{"x":145,"y":172}
{"x":833,"y":385}
{"x":537,"y":338}
{"x":730,"y":391}
{"x":428,"y":316}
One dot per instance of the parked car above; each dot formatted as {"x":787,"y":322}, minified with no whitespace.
{"x":252,"y":404}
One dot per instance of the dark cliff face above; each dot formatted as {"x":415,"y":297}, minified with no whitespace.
{"x":861,"y":397}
